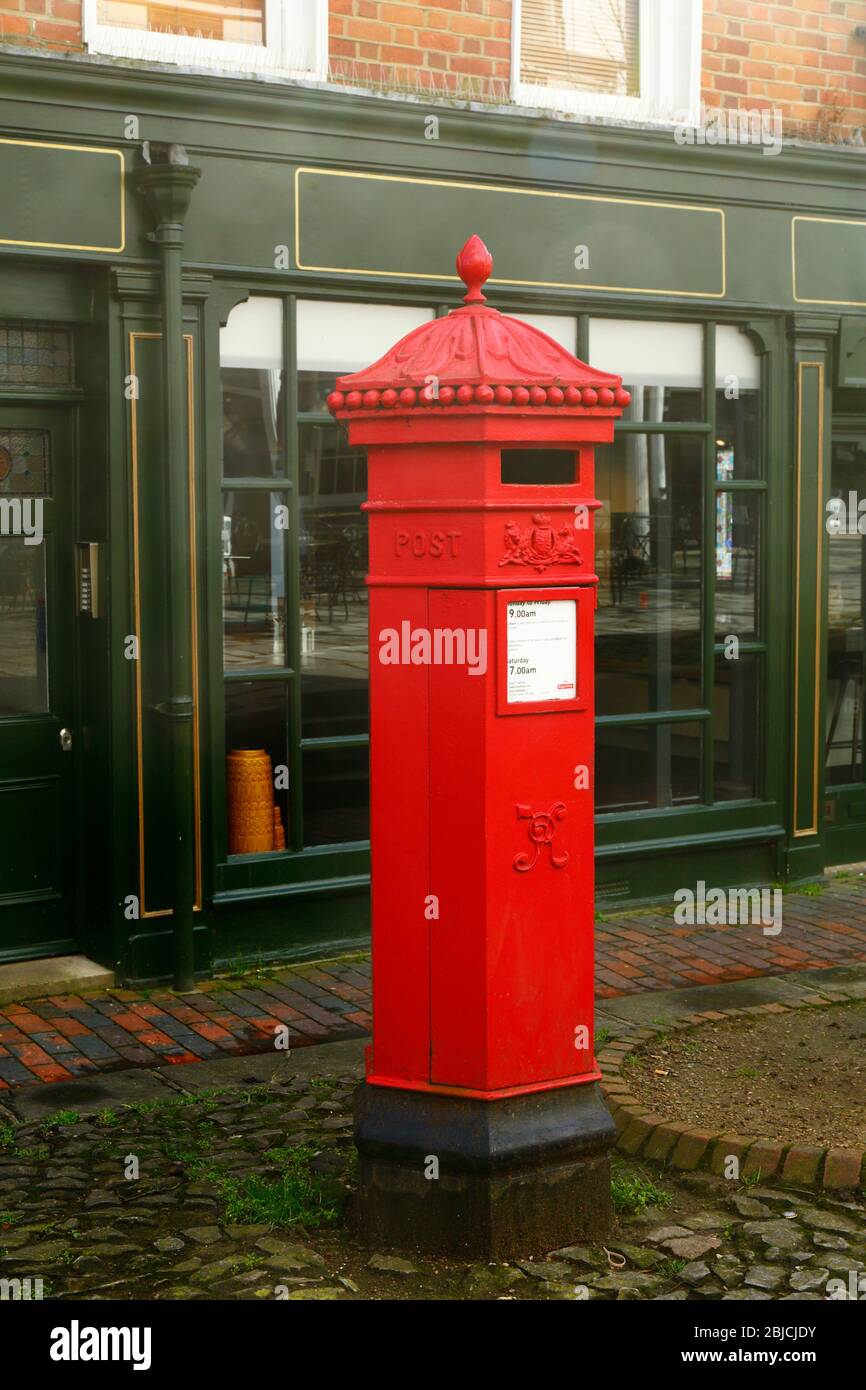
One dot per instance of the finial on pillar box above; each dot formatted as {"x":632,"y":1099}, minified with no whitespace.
{"x":474,"y":264}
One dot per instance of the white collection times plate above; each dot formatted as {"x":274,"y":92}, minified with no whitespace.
{"x":542,"y":650}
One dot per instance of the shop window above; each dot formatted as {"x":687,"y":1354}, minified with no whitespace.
{"x":649,"y":558}
{"x":738,"y":381}
{"x":333,"y":338}
{"x":336,"y":795}
{"x":846,"y":619}
{"x":679,"y":555}
{"x":637,"y":59}
{"x":736,"y":750}
{"x":649,"y":768}
{"x":736,"y":565}
{"x":257,"y":759}
{"x":276,"y":37}
{"x":660,"y":364}
{"x":254,"y":589}
{"x":562,"y":328}
{"x":255,"y":520}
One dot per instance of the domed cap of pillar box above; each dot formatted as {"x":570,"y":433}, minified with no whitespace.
{"x":477,"y":359}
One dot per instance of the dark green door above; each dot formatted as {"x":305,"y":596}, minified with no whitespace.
{"x":845,"y":721}
{"x":37,"y":643}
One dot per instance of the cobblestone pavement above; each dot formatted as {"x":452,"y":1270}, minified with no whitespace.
{"x":175,"y":1193}
{"x":66,"y":1036}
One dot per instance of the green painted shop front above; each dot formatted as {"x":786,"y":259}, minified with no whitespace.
{"x":725,"y":285}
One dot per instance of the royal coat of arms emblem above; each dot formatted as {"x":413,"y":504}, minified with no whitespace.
{"x":541,"y":544}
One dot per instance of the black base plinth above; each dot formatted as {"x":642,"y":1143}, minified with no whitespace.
{"x":516,"y":1177}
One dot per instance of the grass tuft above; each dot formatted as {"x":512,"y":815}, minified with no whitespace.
{"x":632,"y":1193}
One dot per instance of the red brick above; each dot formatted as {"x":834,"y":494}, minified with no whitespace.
{"x":663,"y":1140}
{"x":802,"y":1164}
{"x":691,"y":1148}
{"x":764,"y":1157}
{"x":638,"y":1131}
{"x":843,"y":1168}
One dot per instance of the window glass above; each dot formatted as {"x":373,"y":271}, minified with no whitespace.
{"x":846,"y":607}
{"x":560,"y":327}
{"x":255,"y":538}
{"x":24,"y":464}
{"x":23,"y":644}
{"x":334,"y":338}
{"x":584,"y":45}
{"x":251,"y":362}
{"x":735,"y":728}
{"x":257,"y":759}
{"x":738,"y":381}
{"x":232,"y":21}
{"x":35,"y":354}
{"x":648,"y":768}
{"x":336,"y":795}
{"x":661,"y":364}
{"x":649,"y":556}
{"x":333,"y":562}
{"x":228,"y":35}
{"x":737,"y":546}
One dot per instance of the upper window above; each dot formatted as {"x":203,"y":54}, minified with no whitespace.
{"x":269,"y":37}
{"x":628,"y":59}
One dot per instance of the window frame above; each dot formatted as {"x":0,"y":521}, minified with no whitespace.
{"x":670,"y":72}
{"x":273,"y":58}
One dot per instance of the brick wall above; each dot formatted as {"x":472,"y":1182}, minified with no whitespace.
{"x":799,"y":57}
{"x":52,"y":25}
{"x":456,"y":47}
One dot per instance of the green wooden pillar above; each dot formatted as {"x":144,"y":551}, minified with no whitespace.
{"x":812,"y":340}
{"x":167,"y":184}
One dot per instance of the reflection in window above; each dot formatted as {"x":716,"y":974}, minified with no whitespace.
{"x":649,"y":768}
{"x":334,"y":338}
{"x":23,"y":645}
{"x":737,"y":515}
{"x":251,"y":362}
{"x":333,"y":565}
{"x":846,"y":608}
{"x":738,"y":380}
{"x":649,"y":554}
{"x":254,"y":539}
{"x":735,"y":728}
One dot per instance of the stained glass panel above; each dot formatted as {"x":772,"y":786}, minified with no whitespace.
{"x":33,"y":354}
{"x":24,"y":462}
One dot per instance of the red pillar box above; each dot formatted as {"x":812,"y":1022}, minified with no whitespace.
{"x":479,"y":1128}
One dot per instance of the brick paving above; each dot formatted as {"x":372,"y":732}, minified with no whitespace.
{"x":66,"y":1036}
